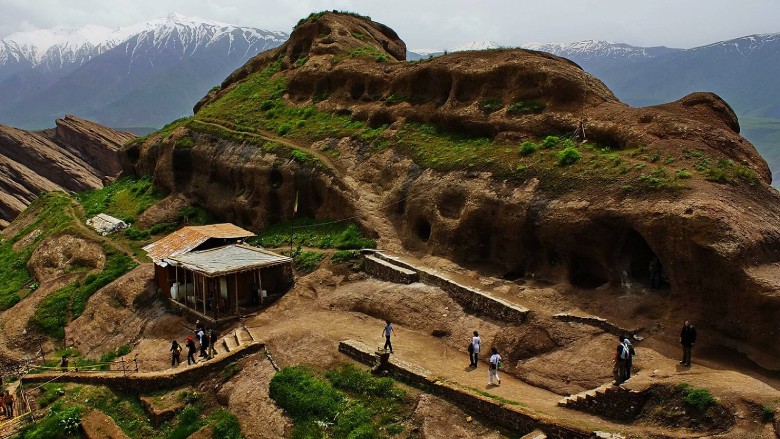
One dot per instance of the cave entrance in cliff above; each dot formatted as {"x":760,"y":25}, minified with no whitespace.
{"x":585,"y":272}
{"x":638,"y":264}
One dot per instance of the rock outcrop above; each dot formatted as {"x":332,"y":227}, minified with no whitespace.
{"x":74,"y":156}
{"x":714,"y":223}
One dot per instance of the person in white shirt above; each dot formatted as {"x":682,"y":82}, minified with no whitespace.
{"x":474,"y":351}
{"x":495,"y":363}
{"x":387,"y":332}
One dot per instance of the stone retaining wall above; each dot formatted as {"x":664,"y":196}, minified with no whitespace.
{"x":142,"y":382}
{"x":384,"y":270}
{"x":515,"y":418}
{"x":470,"y":299}
{"x":600,"y":323}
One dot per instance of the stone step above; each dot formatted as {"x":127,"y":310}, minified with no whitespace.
{"x":230,"y":342}
{"x":251,"y":336}
{"x":536,"y":434}
{"x":587,"y":395}
{"x":237,"y":337}
{"x":244,"y":336}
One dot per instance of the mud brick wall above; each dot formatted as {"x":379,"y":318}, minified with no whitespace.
{"x":597,"y":322}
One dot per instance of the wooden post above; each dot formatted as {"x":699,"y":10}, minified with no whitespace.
{"x":136,"y":362}
{"x":124,"y":371}
{"x":235,"y":288}
{"x":43,"y":355}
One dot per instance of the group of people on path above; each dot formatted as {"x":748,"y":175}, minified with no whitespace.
{"x":207,"y":339}
{"x":623,"y":360}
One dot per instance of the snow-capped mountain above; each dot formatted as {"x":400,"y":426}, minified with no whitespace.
{"x":589,"y":50}
{"x":109,"y":75}
{"x":475,"y":45}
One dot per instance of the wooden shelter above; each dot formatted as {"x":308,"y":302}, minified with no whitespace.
{"x":210,"y":273}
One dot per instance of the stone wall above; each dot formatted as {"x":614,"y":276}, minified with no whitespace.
{"x":143,"y":382}
{"x":384,"y":270}
{"x":470,"y":299}
{"x":515,"y":418}
{"x":600,"y":323}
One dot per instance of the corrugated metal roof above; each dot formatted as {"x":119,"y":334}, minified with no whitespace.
{"x":188,"y":238}
{"x":227,"y":259}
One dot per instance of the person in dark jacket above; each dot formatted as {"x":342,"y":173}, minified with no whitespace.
{"x":687,"y":339}
{"x":191,"y":351}
{"x":175,"y":353}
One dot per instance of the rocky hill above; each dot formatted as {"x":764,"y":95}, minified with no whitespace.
{"x":479,"y":158}
{"x":136,"y":76}
{"x":75,"y":156}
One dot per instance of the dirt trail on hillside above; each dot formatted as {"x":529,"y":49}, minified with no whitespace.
{"x":97,"y":237}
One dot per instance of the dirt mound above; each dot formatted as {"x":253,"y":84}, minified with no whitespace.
{"x":246,"y":396}
{"x":438,"y":419}
{"x":97,"y":425}
{"x":61,"y":255}
{"x":164,"y":211}
{"x":117,"y":314}
{"x":74,"y":156}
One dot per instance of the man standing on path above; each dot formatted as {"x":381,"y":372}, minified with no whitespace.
{"x":8,"y":401}
{"x":474,"y":352}
{"x":495,"y":364}
{"x":190,"y":351}
{"x":687,"y":339}
{"x":619,"y":370}
{"x":387,"y":332}
{"x":630,"y":359}
{"x":212,"y":343}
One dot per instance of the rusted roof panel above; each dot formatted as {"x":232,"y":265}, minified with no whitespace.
{"x":188,"y":238}
{"x":227,"y":259}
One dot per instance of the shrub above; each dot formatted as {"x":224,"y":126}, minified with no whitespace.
{"x":353,"y":380}
{"x":698,"y":399}
{"x":134,"y":234}
{"x":525,"y":107}
{"x":491,"y":105}
{"x":283,"y":129}
{"x":528,"y":148}
{"x":226,"y":426}
{"x":568,"y":156}
{"x":767,"y":413}
{"x":184,"y":142}
{"x":304,"y":396}
{"x":550,"y":142}
{"x":301,"y":61}
{"x":682,"y":173}
{"x":188,"y":422}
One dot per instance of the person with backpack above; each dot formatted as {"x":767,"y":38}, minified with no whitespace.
{"x":687,"y":339}
{"x":495,"y":364}
{"x":631,"y":352}
{"x":621,"y":355}
{"x":474,"y":349}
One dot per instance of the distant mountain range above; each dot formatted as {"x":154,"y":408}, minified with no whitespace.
{"x":143,"y":75}
{"x":742,"y":71}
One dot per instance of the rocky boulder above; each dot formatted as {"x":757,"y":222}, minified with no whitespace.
{"x":74,"y":156}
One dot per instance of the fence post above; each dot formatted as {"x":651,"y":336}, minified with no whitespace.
{"x":124,"y":372}
{"x":136,"y":362}
{"x":43,"y":354}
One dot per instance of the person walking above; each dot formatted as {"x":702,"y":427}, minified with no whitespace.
{"x":175,"y":353}
{"x":387,"y":332}
{"x":474,"y":351}
{"x":619,"y":362}
{"x":687,"y":339}
{"x":203,"y":342}
{"x":495,"y":364}
{"x":212,"y":343}
{"x":191,"y":351}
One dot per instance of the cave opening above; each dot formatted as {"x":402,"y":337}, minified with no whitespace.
{"x":276,"y":178}
{"x":422,"y":229}
{"x":639,"y":263}
{"x":586,"y":272}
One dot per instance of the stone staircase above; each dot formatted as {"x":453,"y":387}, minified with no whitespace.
{"x":536,"y":434}
{"x":609,"y":401}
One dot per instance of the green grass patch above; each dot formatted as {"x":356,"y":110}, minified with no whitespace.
{"x":347,"y":403}
{"x":698,"y":399}
{"x":124,"y":199}
{"x":61,"y":422}
{"x":496,"y":397}
{"x":525,"y":107}
{"x":491,"y":105}
{"x":528,"y":148}
{"x":306,"y":261}
{"x":568,"y":156}
{"x":226,"y":425}
{"x":308,"y":232}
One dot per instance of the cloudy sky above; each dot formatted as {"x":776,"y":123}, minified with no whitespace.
{"x":440,"y":24}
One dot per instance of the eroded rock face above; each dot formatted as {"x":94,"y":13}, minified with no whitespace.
{"x":74,"y":156}
{"x":718,"y":244}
